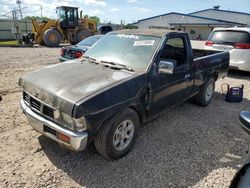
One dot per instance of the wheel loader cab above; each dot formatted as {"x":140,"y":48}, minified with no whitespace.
{"x":68,"y":17}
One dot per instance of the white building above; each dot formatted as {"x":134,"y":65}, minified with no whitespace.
{"x":199,"y":23}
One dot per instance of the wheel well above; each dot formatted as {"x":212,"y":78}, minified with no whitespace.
{"x":139,"y":113}
{"x":214,"y":75}
{"x":133,"y":107}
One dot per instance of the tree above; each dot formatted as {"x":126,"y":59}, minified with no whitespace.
{"x":129,"y":26}
{"x":36,"y":17}
{"x":95,"y":18}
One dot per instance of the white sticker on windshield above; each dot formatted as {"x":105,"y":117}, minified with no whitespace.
{"x":144,"y":43}
{"x":136,"y":37}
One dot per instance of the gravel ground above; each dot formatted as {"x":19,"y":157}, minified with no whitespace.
{"x":189,"y":146}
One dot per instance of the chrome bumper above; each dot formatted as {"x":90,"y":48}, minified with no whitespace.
{"x":78,"y":141}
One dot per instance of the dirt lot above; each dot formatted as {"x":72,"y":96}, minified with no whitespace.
{"x":189,"y":146}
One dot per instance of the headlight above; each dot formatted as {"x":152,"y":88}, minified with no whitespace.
{"x":69,"y":122}
{"x":80,"y":124}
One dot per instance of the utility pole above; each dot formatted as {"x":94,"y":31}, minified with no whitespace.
{"x":41,"y":11}
{"x":18,"y":2}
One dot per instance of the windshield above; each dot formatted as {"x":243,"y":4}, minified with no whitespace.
{"x":134,"y":51}
{"x":89,"y":41}
{"x":230,"y":37}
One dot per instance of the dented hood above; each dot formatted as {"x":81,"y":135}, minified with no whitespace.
{"x":62,"y":85}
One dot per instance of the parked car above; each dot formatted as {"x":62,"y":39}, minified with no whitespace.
{"x":242,"y":177}
{"x":76,"y":51}
{"x":105,"y":29}
{"x":234,"y":40}
{"x":126,"y":79}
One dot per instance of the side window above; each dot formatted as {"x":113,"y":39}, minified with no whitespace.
{"x":174,"y":51}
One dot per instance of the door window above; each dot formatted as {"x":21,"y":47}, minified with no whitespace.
{"x":174,"y":51}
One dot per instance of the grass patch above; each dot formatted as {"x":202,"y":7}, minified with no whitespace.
{"x":9,"y":43}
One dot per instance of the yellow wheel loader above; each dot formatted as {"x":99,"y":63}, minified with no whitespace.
{"x":68,"y":27}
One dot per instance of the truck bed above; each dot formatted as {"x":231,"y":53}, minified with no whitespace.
{"x":197,"y":53}
{"x":208,"y":62}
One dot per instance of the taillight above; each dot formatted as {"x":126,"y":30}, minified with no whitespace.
{"x":78,"y":54}
{"x":62,"y":52}
{"x":242,"y":46}
{"x":209,"y":43}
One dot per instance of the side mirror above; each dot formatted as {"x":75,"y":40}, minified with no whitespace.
{"x":242,"y":177}
{"x":245,"y":120}
{"x":166,"y":67}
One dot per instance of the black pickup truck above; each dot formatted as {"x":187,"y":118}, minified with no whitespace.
{"x":119,"y":84}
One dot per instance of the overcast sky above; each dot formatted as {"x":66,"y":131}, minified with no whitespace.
{"x":128,"y":10}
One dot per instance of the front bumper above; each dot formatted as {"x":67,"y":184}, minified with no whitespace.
{"x":78,"y":141}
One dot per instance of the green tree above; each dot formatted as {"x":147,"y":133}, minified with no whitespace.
{"x":36,"y":17}
{"x":129,"y":26}
{"x":95,"y":18}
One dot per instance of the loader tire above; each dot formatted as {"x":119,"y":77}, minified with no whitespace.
{"x":82,"y":34}
{"x":52,"y":38}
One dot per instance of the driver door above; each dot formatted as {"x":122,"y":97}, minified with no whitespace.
{"x":171,"y":89}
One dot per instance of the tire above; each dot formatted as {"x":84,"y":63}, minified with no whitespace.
{"x":123,"y":126}
{"x":52,"y":38}
{"x":204,"y":97}
{"x":82,"y":34}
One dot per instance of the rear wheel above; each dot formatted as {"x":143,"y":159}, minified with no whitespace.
{"x":206,"y":93}
{"x":82,"y":34}
{"x":52,"y":38}
{"x":116,"y":138}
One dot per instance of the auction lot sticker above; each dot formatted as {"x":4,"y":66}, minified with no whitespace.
{"x":144,"y":43}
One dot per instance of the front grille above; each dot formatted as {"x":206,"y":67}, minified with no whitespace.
{"x":38,"y":106}
{"x":48,"y":111}
{"x":35,"y":104}
{"x":26,"y":97}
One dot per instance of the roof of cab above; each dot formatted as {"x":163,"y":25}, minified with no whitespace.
{"x":150,"y":32}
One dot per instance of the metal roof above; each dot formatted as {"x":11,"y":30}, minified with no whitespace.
{"x":193,"y":16}
{"x":219,"y":10}
{"x":207,"y":23}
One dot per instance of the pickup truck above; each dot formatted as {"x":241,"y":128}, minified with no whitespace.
{"x":126,"y":79}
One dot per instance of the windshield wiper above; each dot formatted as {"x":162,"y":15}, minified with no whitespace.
{"x":117,"y":65}
{"x":108,"y":63}
{"x":91,"y":59}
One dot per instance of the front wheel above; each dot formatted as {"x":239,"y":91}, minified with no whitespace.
{"x":206,"y":93}
{"x":52,"y":38}
{"x":116,"y":138}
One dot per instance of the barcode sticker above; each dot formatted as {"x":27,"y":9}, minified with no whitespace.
{"x":144,"y":43}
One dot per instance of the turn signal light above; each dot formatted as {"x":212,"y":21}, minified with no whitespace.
{"x":78,"y":54}
{"x":62,"y":52}
{"x":242,"y":46}
{"x":209,"y":43}
{"x":63,"y":138}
